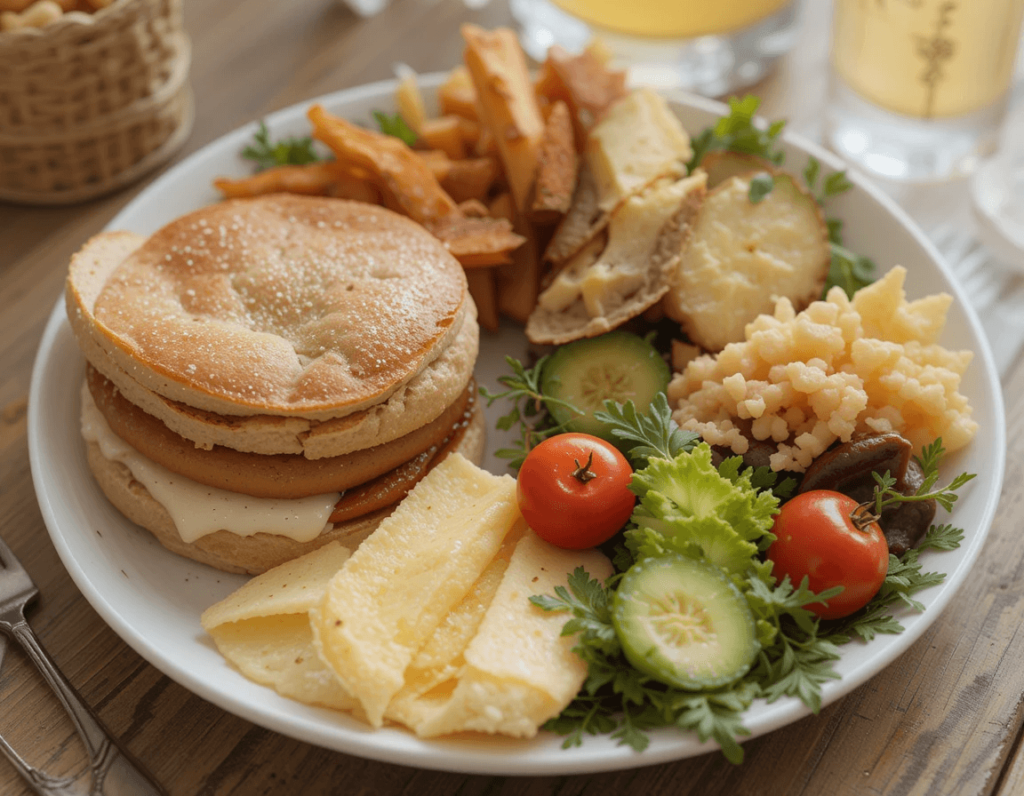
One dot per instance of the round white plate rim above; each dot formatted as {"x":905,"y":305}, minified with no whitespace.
{"x":484,"y":756}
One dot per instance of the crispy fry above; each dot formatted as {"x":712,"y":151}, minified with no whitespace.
{"x":501,"y":206}
{"x":409,"y":99}
{"x":557,"y":166}
{"x":472,"y":178}
{"x":519,"y":282}
{"x":443,"y":133}
{"x":485,"y":294}
{"x":405,"y":177}
{"x":476,"y":242}
{"x":469,"y":131}
{"x":507,"y":103}
{"x":585,"y":83}
{"x":314,"y":179}
{"x":457,"y":96}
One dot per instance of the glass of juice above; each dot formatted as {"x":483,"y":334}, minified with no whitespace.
{"x":708,"y":46}
{"x":918,"y":88}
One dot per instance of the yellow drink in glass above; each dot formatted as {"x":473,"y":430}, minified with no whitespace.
{"x":672,"y":18}
{"x":918,"y":87}
{"x":709,"y":46}
{"x":927,"y":58}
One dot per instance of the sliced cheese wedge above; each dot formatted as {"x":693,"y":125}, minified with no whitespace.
{"x":263,"y":629}
{"x":402,"y":582}
{"x":519,"y":669}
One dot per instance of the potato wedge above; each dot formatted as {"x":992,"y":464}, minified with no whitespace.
{"x":743,"y":257}
{"x":557,"y":165}
{"x":508,"y":106}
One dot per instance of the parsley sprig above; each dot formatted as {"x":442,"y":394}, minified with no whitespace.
{"x":296,"y":151}
{"x":737,"y":132}
{"x":886,"y":493}
{"x":529,"y":411}
{"x":653,"y":434}
{"x":396,"y":126}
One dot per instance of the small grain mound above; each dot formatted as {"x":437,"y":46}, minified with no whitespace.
{"x":840,"y":367}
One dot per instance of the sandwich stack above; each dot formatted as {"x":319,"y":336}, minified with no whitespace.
{"x":268,"y":375}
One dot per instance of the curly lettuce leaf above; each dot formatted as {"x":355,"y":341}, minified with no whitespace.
{"x":687,"y":506}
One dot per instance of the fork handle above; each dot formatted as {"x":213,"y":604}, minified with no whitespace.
{"x":114,"y":771}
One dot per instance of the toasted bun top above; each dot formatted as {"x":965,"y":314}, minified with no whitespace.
{"x":281,"y":304}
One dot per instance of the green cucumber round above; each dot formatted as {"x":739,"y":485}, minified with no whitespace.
{"x":684,"y":623}
{"x":619,"y":366}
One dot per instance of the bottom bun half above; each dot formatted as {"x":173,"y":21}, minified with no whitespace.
{"x":230,"y":552}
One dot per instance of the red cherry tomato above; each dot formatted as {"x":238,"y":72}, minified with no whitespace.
{"x":573,"y":490}
{"x":817,"y":537}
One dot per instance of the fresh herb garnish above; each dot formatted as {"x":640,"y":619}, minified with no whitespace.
{"x":529,"y":409}
{"x":887,"y":495}
{"x":847,"y":270}
{"x":736,"y":132}
{"x":396,"y":126}
{"x":645,"y":436}
{"x":286,"y":152}
{"x":761,"y":185}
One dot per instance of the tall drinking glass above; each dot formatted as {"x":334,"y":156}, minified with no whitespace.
{"x":918,"y":88}
{"x":708,"y":46}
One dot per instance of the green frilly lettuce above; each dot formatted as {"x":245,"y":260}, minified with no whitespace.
{"x":688,"y":506}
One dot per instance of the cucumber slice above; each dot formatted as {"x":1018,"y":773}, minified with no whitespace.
{"x":684,"y":623}
{"x":617,"y":365}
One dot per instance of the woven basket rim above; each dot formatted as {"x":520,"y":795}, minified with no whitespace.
{"x":138,"y":108}
{"x":138,"y":170}
{"x":68,"y":20}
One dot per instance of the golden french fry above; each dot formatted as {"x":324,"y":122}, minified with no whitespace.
{"x":476,"y":242}
{"x":519,"y":282}
{"x":472,"y":178}
{"x":557,"y":166}
{"x":585,"y":83}
{"x":483,"y":289}
{"x":457,"y":95}
{"x":507,"y":104}
{"x":409,"y":99}
{"x":313,"y":179}
{"x":443,"y":133}
{"x":409,"y":184}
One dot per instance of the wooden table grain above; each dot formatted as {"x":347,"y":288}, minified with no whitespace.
{"x":946,"y":717}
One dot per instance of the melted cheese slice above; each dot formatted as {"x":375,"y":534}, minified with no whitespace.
{"x":199,"y":510}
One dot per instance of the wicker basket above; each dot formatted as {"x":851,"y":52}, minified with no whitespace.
{"x":92,"y":102}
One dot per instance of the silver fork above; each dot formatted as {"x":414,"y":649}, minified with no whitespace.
{"x":114,"y":771}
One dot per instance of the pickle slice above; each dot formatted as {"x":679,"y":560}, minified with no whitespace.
{"x":619,"y":366}
{"x":684,"y":623}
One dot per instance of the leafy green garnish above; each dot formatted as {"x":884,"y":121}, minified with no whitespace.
{"x":887,"y":495}
{"x":736,"y":132}
{"x":686,"y":506}
{"x":650,"y":435}
{"x":849,"y":271}
{"x":529,"y":409}
{"x":396,"y":126}
{"x":760,"y":186}
{"x":286,"y":152}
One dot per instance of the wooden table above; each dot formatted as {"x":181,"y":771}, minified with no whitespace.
{"x":944,"y":718}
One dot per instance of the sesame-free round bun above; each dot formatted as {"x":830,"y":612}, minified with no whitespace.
{"x":281,"y":305}
{"x":246,"y":554}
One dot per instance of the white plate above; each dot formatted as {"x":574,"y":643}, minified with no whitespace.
{"x":153,"y":599}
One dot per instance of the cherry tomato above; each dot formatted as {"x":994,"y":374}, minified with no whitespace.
{"x":573,"y":490}
{"x":818,"y":537}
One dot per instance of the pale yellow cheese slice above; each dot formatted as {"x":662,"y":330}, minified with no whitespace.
{"x":263,"y":629}
{"x":399,"y":585}
{"x":519,"y":670}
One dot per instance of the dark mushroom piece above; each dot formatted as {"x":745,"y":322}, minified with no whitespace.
{"x":848,"y":468}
